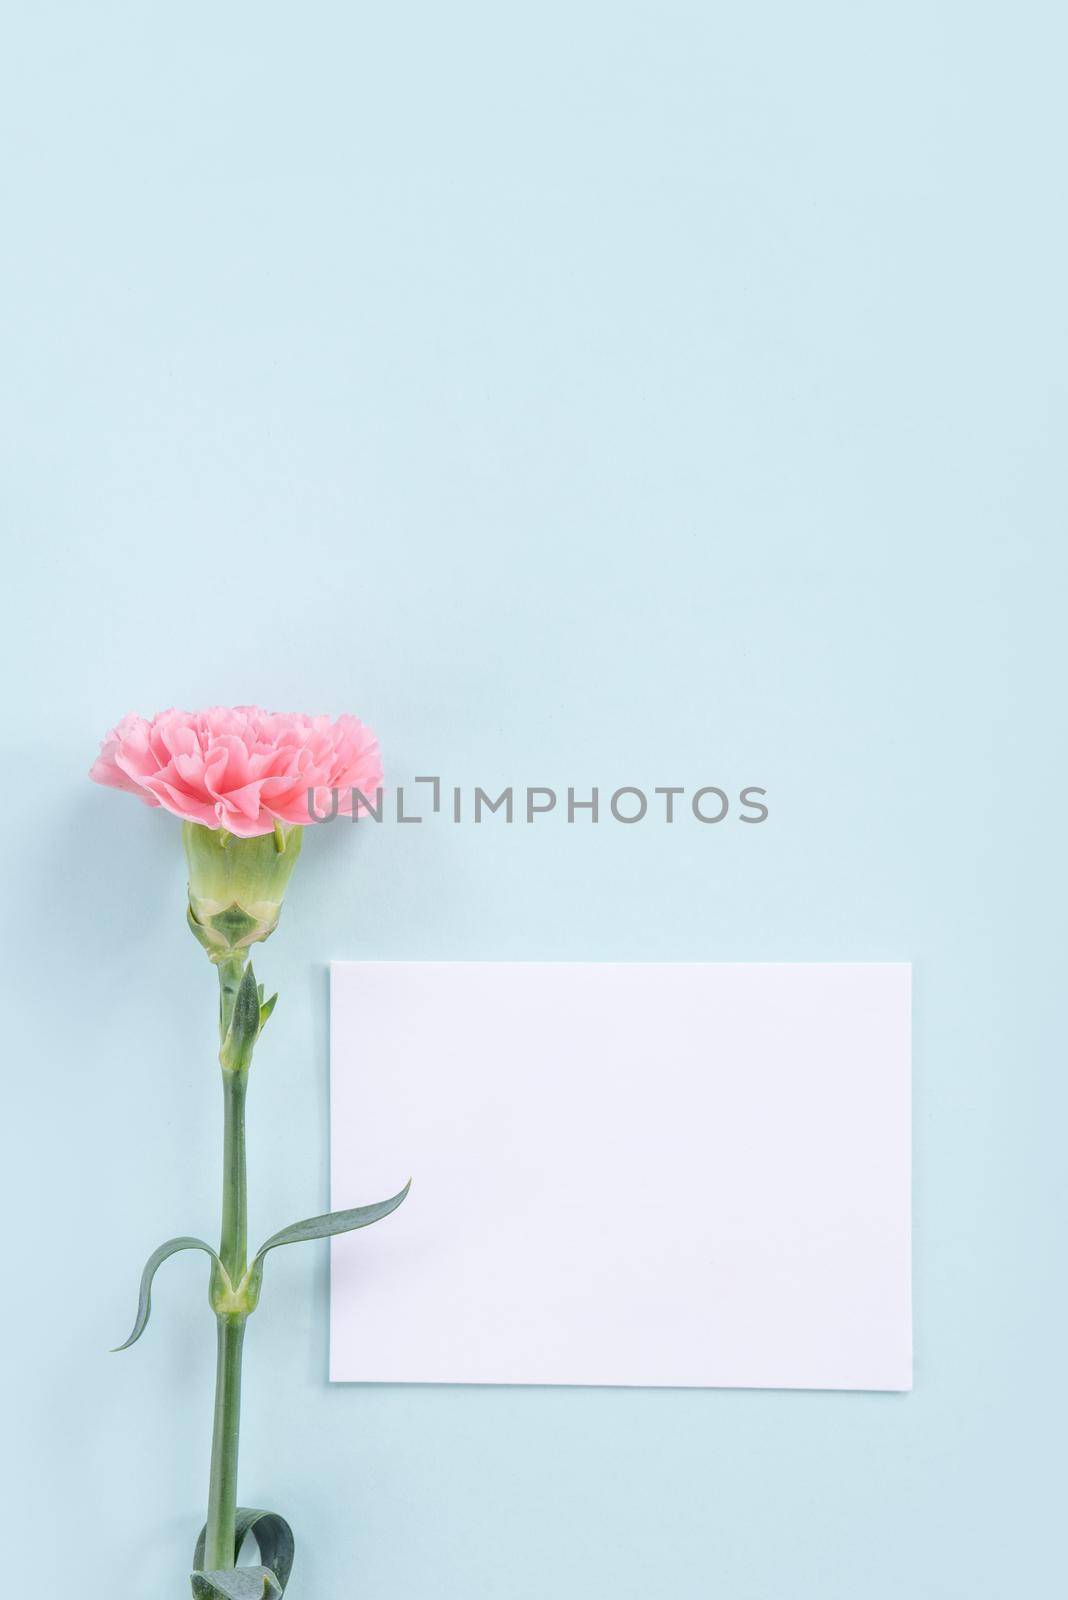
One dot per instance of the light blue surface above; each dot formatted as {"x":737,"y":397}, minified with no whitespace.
{"x":583,"y":394}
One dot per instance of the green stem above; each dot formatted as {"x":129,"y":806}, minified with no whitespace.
{"x":219,"y":1551}
{"x":230,"y":974}
{"x":233,"y":1245}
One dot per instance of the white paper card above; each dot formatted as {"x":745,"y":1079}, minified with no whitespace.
{"x":648,"y":1174}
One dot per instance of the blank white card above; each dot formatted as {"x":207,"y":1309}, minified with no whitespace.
{"x":655,"y":1174}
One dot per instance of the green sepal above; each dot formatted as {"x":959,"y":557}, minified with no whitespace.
{"x":236,"y":886}
{"x":233,"y":926}
{"x":324,"y":1227}
{"x":227,"y":933}
{"x":144,"y":1299}
{"x":274,"y":1539}
{"x":244,"y":1025}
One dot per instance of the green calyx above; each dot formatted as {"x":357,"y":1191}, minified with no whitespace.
{"x":236,"y":885}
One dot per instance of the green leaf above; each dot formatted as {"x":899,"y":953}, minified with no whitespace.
{"x":323,"y":1228}
{"x":144,"y":1300}
{"x":266,"y":1007}
{"x":333,"y":1222}
{"x":241,"y":1035}
{"x":240,"y":1583}
{"x":274,"y":1539}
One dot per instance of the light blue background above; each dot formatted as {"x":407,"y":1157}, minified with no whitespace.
{"x":587,"y":393}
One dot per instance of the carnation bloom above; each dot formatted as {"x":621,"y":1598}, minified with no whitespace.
{"x":241,"y":768}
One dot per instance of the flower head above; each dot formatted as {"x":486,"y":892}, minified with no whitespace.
{"x":245,"y":772}
{"x":241,"y":768}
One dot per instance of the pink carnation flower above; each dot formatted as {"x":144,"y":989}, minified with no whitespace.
{"x":241,"y":768}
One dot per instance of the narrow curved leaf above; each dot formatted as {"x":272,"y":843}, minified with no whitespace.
{"x":274,"y":1540}
{"x":333,"y":1222}
{"x":240,"y":1583}
{"x":144,"y":1299}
